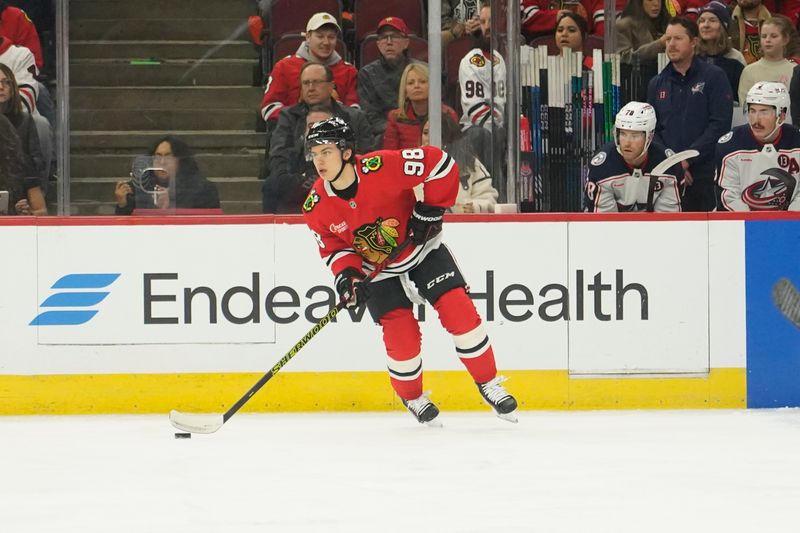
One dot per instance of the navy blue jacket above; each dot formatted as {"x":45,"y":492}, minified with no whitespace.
{"x":693,"y":111}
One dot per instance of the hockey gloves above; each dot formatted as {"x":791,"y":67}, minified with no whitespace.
{"x":350,"y":287}
{"x":425,"y":222}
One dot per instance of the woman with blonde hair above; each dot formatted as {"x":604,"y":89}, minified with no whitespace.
{"x":775,"y":36}
{"x":403,"y":124}
{"x":713,"y":21}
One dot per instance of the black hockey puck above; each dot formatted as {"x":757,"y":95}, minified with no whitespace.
{"x":183,"y":435}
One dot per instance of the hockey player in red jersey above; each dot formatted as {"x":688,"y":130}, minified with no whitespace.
{"x":359,"y":210}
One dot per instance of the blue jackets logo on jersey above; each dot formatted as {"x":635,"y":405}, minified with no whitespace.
{"x":73,"y":299}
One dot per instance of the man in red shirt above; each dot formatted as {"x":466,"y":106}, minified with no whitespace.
{"x":363,"y":207}
{"x":18,"y":28}
{"x":283,"y":86}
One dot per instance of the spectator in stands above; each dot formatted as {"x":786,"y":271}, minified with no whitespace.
{"x":459,"y":19}
{"x":476,"y":193}
{"x":12,"y":107}
{"x":596,"y":14}
{"x":286,"y":185}
{"x":21,"y":62}
{"x":641,"y":31}
{"x":744,"y":30}
{"x":379,"y":81}
{"x":757,"y":163}
{"x":694,"y":106}
{"x":283,"y":90}
{"x":715,"y":47}
{"x":571,"y":31}
{"x":25,"y":194}
{"x":20,"y":30}
{"x":481,"y":79}
{"x":404,"y":123}
{"x":538,"y":17}
{"x":177,"y":184}
{"x":776,"y":32}
{"x":794,"y":95}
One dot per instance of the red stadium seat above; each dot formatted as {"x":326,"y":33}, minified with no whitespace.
{"x":367,"y":14}
{"x":288,"y":45}
{"x":291,"y":16}
{"x":417,"y":48}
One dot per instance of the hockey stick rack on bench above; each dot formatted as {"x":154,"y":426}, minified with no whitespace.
{"x":211,"y":422}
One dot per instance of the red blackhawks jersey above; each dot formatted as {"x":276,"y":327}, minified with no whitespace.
{"x":363,"y":230}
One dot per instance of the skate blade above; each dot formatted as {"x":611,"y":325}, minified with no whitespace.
{"x":435,"y":423}
{"x":509,"y":417}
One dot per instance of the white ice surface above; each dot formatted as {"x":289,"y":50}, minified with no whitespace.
{"x":643,"y":471}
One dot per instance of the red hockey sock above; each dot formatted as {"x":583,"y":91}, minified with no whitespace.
{"x":403,"y":342}
{"x":459,"y":317}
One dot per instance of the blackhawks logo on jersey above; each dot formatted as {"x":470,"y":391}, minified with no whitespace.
{"x":478,"y":60}
{"x":371,"y":164}
{"x":376,"y":241}
{"x":311,"y":200}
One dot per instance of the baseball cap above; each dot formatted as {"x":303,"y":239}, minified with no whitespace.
{"x":321,"y":19}
{"x":396,"y":23}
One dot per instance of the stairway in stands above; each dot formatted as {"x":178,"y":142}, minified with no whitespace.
{"x":140,"y":70}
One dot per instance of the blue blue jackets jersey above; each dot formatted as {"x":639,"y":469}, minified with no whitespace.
{"x":613,"y":186}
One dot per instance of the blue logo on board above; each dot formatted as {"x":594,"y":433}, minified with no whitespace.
{"x":77,"y":293}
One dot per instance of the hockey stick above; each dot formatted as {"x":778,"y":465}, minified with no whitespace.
{"x":211,"y":422}
{"x":673,"y":160}
{"x":786,"y":298}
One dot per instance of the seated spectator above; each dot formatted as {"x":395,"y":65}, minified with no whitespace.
{"x":619,"y":174}
{"x":21,"y":62}
{"x":715,"y":47}
{"x":24,"y":193}
{"x":595,"y":14}
{"x":640,"y":38}
{"x":178,"y":182}
{"x":745,"y":26}
{"x":404,"y":123}
{"x":476,"y":193}
{"x":538,"y":17}
{"x":12,"y":107}
{"x":757,"y":163}
{"x":776,"y":32}
{"x":459,"y":19}
{"x":18,"y":28}
{"x":379,"y":81}
{"x":283,"y":89}
{"x":570,"y":33}
{"x":481,"y":80}
{"x":286,"y":184}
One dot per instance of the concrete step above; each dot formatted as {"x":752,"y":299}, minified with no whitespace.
{"x":185,"y":29}
{"x":137,"y":142}
{"x":164,"y":119}
{"x":239,"y":97}
{"x":95,"y":208}
{"x":161,"y":49}
{"x":119,"y":165}
{"x":167,"y":9}
{"x":115,"y":73}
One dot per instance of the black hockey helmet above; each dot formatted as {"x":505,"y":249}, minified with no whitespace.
{"x":333,"y":130}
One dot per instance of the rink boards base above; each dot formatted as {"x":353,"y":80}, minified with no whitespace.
{"x":357,"y":391}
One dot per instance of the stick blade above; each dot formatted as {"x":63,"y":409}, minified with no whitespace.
{"x":196,"y":422}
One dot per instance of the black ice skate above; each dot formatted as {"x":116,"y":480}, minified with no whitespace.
{"x":499,"y":399}
{"x":424,"y":410}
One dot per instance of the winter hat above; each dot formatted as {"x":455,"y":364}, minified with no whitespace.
{"x":718,"y":9}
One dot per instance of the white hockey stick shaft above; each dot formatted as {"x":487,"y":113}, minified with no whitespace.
{"x":673,"y":160}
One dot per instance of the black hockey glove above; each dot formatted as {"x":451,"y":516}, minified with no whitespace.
{"x":425,"y":222}
{"x":350,"y":287}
